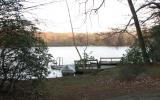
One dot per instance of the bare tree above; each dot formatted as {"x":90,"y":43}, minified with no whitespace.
{"x":74,"y":41}
{"x":153,"y":4}
{"x":139,"y":32}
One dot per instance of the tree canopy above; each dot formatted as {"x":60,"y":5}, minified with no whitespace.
{"x":23,"y":55}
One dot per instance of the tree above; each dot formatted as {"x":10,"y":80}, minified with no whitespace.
{"x":139,"y":32}
{"x":22,"y":54}
{"x":73,"y":34}
{"x":153,"y":4}
{"x":152,"y":40}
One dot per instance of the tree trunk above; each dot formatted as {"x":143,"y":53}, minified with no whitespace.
{"x":139,"y":32}
{"x":74,"y":41}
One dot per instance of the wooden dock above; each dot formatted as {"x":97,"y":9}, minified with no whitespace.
{"x":109,"y":61}
{"x":89,"y":64}
{"x":95,"y":64}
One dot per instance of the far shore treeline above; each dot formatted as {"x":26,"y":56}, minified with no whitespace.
{"x":90,"y":39}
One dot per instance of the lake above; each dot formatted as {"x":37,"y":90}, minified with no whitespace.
{"x":69,"y":54}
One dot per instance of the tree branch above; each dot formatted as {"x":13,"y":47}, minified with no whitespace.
{"x":43,"y":4}
{"x":74,"y":41}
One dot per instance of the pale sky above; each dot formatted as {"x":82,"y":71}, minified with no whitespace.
{"x":54,"y":17}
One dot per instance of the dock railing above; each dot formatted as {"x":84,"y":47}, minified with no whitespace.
{"x":89,"y":64}
{"x":109,"y":60}
{"x":95,"y":64}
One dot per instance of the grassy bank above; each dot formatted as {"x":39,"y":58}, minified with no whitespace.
{"x":104,"y":85}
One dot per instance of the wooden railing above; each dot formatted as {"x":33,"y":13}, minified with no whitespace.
{"x":109,"y":60}
{"x":88,"y":64}
{"x":95,"y":64}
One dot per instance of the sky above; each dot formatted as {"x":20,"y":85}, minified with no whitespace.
{"x":54,"y":17}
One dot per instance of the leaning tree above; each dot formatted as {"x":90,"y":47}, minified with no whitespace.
{"x":152,"y":5}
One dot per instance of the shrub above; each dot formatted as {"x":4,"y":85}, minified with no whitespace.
{"x":133,"y":55}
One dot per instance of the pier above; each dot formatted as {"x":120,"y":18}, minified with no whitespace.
{"x":109,"y":61}
{"x":104,"y":62}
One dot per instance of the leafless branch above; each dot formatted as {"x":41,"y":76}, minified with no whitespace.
{"x":43,"y":4}
{"x":96,"y":9}
{"x":150,"y":17}
{"x":74,"y":41}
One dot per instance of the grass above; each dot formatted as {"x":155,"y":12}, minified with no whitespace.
{"x":101,"y":86}
{"x":153,"y":71}
{"x":110,"y":73}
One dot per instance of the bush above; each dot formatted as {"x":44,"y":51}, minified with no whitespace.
{"x":152,"y":41}
{"x":133,"y":55}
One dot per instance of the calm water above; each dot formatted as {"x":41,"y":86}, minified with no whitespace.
{"x":69,"y":54}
